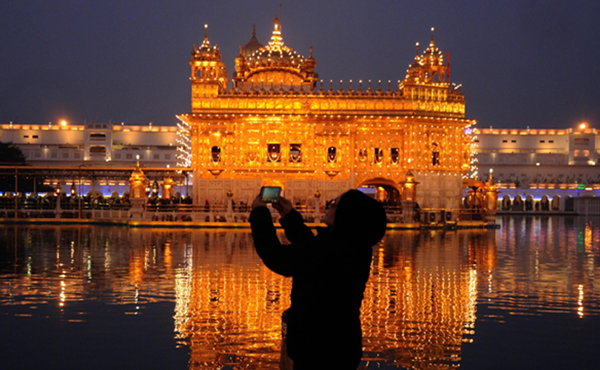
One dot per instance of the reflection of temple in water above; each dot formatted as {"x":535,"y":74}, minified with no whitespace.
{"x":228,"y":305}
{"x":421,"y":298}
{"x":419,"y":302}
{"x":419,"y":307}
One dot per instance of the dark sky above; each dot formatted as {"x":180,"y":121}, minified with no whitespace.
{"x":521,"y":62}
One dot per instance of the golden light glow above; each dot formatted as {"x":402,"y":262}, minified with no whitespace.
{"x":277,"y":124}
{"x":419,"y":307}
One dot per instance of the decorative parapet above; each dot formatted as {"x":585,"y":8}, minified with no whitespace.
{"x":283,"y":103}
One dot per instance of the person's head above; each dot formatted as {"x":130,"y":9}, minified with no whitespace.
{"x":357,"y":219}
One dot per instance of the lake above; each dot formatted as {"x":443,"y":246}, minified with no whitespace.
{"x":94,"y":297}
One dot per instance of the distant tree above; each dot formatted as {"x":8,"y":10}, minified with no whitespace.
{"x":11,"y":155}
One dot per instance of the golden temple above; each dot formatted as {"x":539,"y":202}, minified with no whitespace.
{"x":276,"y":124}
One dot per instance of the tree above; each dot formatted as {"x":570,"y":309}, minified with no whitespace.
{"x":11,"y":155}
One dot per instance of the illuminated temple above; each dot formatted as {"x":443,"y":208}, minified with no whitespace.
{"x":276,"y":123}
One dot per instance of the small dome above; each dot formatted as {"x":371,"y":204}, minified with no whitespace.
{"x":206,"y":51}
{"x":429,"y":67}
{"x":310,"y":62}
{"x":252,"y":45}
{"x":432,"y":55}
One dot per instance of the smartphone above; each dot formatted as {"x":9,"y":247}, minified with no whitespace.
{"x":270,"y":194}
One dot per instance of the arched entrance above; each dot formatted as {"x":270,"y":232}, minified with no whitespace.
{"x":556,"y":203}
{"x":517,"y":203}
{"x":506,"y":203}
{"x":385,"y":191}
{"x":545,"y":203}
{"x":529,"y":202}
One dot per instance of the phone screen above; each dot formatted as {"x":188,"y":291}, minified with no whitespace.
{"x":270,"y":194}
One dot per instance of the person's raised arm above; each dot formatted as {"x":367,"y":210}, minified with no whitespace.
{"x":291,"y":220}
{"x":277,"y":257}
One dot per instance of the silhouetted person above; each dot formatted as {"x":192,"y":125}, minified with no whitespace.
{"x":417,"y":213}
{"x":329,"y":274}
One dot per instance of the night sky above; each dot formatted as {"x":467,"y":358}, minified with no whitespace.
{"x":521,"y":62}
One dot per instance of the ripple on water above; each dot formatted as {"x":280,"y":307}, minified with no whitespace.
{"x":455,"y":298}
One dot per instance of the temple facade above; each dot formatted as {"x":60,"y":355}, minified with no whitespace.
{"x":276,"y":124}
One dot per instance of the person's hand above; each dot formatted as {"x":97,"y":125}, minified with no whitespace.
{"x":258,"y":202}
{"x":283,"y":206}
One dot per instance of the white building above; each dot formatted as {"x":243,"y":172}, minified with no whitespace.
{"x":99,"y":144}
{"x":557,"y":167}
{"x":542,"y":165}
{"x":94,"y":145}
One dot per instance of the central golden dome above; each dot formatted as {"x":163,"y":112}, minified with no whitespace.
{"x":275,"y":65}
{"x":275,"y":53}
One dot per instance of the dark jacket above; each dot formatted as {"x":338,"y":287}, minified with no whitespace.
{"x":328,"y":283}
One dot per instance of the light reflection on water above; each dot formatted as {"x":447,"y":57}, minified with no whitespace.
{"x":201,"y":299}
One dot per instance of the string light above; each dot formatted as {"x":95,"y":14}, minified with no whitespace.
{"x":184,"y":148}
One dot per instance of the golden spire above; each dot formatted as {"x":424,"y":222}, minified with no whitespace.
{"x":205,"y":43}
{"x":276,"y":39}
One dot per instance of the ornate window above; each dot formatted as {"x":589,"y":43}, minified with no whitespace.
{"x":295,"y":153}
{"x":378,"y":155}
{"x":435,"y":154}
{"x":362,"y":155}
{"x":274,"y":152}
{"x":215,"y":152}
{"x":331,"y":154}
{"x":394,"y":155}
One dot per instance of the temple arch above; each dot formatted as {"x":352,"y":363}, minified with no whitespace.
{"x":556,"y":203}
{"x":387,"y":191}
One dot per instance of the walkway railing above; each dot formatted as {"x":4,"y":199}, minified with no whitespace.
{"x":105,"y":210}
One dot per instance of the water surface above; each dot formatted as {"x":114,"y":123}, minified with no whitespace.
{"x":521,"y":297}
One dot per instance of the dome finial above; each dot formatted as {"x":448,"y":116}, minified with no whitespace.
{"x":205,"y":43}
{"x":276,"y":39}
{"x":417,"y":49}
{"x":253,"y":29}
{"x":432,"y":29}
